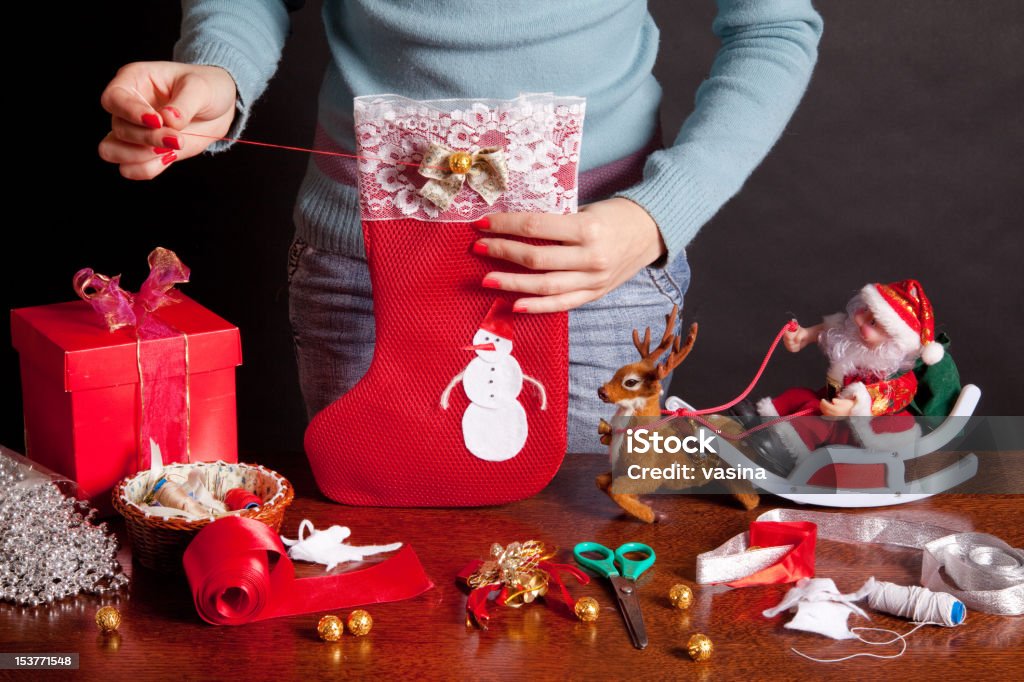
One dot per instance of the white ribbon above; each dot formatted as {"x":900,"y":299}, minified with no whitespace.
{"x":988,"y":573}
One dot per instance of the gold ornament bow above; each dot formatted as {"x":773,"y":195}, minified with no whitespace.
{"x":517,"y":568}
{"x":485,"y":171}
{"x":520,"y":572}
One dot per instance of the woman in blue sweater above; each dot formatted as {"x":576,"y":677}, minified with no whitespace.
{"x":620,"y":261}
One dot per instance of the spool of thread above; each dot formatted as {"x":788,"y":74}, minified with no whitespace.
{"x":170,"y":494}
{"x":240,"y":498}
{"x":919,"y":604}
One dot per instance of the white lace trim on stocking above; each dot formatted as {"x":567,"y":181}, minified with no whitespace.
{"x":540,"y":136}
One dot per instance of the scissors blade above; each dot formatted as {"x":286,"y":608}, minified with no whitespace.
{"x":625,"y":592}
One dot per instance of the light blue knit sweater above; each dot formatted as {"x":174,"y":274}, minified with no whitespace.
{"x":599,"y":49}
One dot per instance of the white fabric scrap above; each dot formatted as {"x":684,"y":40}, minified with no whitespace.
{"x":328,"y":546}
{"x":821,"y":607}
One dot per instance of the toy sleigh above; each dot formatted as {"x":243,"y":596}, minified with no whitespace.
{"x":854,"y":476}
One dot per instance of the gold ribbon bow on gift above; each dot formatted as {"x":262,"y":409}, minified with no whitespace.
{"x":485,"y":171}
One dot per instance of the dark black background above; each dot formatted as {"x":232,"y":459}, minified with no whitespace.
{"x":904,"y":160}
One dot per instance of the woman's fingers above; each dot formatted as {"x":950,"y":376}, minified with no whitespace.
{"x":541,"y":284}
{"x":557,"y":303}
{"x":122,"y":99}
{"x":546,"y":226}
{"x":547,"y":257}
{"x":161,"y":137}
{"x":114,"y":150}
{"x":136,"y":162}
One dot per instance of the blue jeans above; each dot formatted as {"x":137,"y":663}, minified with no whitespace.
{"x":331,"y":310}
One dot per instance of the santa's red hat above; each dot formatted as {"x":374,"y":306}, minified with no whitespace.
{"x":499,"y":319}
{"x":905,"y":313}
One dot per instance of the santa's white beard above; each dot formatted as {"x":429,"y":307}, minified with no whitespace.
{"x":847,"y":353}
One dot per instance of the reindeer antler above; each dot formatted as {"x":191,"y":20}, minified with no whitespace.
{"x":644,"y":348}
{"x":678,"y":354}
{"x":666,"y":339}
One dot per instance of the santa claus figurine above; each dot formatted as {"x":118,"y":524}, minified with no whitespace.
{"x":872,"y":349}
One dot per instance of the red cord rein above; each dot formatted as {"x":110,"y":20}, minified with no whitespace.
{"x":697,"y":415}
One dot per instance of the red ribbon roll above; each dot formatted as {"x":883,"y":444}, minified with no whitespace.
{"x":239,"y":573}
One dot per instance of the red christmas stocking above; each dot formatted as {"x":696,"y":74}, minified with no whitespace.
{"x":464,"y":402}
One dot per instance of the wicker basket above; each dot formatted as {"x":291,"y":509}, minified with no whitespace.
{"x":159,"y":543}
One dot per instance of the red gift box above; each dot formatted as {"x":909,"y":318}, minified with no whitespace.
{"x":81,"y":389}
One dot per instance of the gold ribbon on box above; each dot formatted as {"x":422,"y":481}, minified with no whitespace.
{"x":485,"y":171}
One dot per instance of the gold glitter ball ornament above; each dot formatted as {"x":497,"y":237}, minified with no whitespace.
{"x":460,"y":163}
{"x":359,"y":622}
{"x":108,"y":619}
{"x":700,"y":647}
{"x":330,"y":628}
{"x":681,"y":596}
{"x":587,"y":609}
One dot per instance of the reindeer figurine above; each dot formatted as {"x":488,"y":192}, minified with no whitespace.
{"x":636,"y":391}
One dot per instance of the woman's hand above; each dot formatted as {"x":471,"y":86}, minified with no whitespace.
{"x":598,"y":249}
{"x":152,"y":105}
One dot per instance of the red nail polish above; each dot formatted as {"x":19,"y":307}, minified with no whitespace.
{"x":169,"y":158}
{"x":161,"y":150}
{"x":491,"y":283}
{"x":172,"y":142}
{"x":482,"y":224}
{"x":518,"y":309}
{"x":173,"y":112}
{"x":151,"y":121}
{"x":480,"y":248}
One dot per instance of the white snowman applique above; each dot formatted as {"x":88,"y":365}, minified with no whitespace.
{"x":494,"y":425}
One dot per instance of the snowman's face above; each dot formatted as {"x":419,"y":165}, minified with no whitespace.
{"x":502,"y":346}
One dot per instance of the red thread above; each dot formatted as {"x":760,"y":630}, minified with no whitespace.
{"x":236,"y":140}
{"x":240,"y":498}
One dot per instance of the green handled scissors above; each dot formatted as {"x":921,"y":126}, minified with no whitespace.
{"x":622,"y":572}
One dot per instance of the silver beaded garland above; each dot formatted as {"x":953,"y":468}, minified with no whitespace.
{"x":49,"y":547}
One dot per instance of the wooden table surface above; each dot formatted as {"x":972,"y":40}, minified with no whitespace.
{"x":161,"y":637}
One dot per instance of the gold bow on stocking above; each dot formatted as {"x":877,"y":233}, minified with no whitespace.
{"x":485,"y":171}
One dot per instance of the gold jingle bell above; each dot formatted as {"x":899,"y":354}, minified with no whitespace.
{"x":460,"y":162}
{"x":587,"y":609}
{"x":700,"y":647}
{"x":681,"y":596}
{"x":108,"y":619}
{"x":330,"y":628}
{"x":359,"y":622}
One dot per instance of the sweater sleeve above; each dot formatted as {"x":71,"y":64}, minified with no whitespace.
{"x":768,"y":50}
{"x":244,"y":37}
